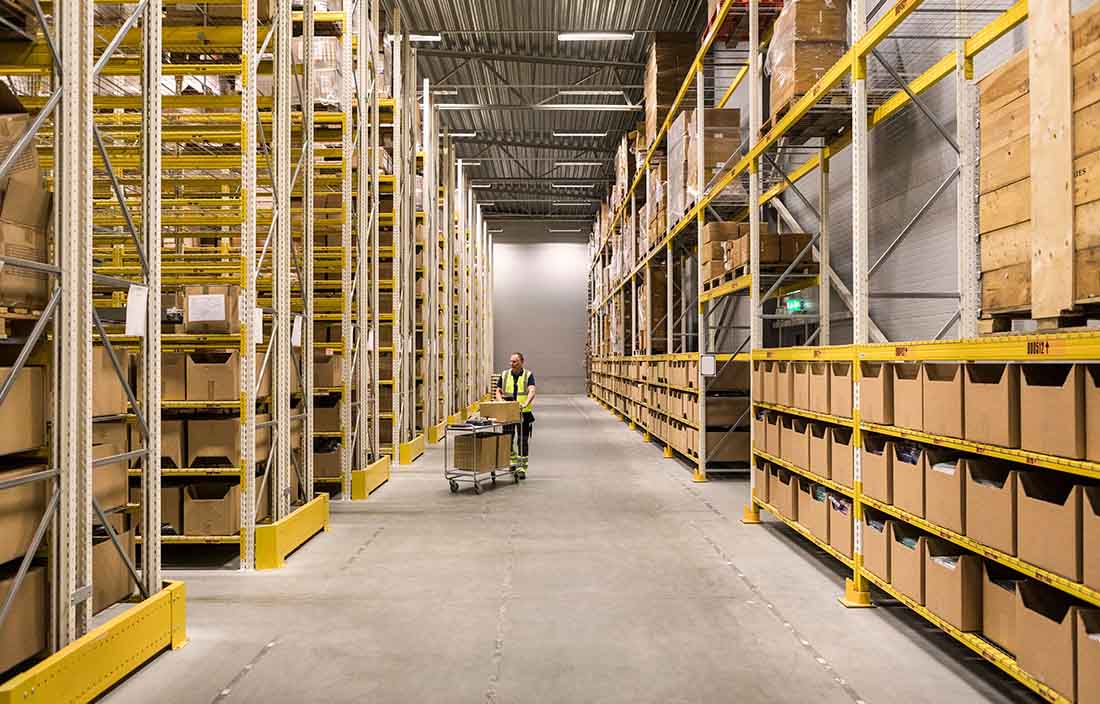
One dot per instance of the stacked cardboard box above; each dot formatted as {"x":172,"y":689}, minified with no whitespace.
{"x":808,"y":38}
{"x":1005,"y":201}
{"x":670,"y":57}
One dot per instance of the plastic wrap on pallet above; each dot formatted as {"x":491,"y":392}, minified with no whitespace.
{"x":326,"y":69}
{"x":810,"y":30}
{"x":677,"y":140}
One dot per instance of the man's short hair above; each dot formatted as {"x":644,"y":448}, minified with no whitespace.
{"x":520,"y":355}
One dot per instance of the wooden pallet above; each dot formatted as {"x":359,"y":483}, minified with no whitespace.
{"x":17,"y":321}
{"x":825,"y":119}
{"x":717,"y":281}
{"x":999,"y":322}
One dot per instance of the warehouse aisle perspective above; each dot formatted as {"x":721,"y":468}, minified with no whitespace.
{"x":607,"y":577}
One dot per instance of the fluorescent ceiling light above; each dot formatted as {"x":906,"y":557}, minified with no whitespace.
{"x":487,"y":204}
{"x":559,"y":230}
{"x":491,"y":232}
{"x":471,"y":163}
{"x":572,"y":202}
{"x":425,"y":37}
{"x":572,"y":185}
{"x":578,"y":163}
{"x":461,"y":134}
{"x":580,"y":134}
{"x":445,"y":91}
{"x":590,"y":92}
{"x":481,"y":185}
{"x":595,"y":36}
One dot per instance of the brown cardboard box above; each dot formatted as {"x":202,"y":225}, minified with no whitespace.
{"x":734,"y":446}
{"x":907,"y":561}
{"x":770,"y":377}
{"x":784,"y":388}
{"x":1048,"y":532}
{"x":760,"y":479}
{"x":171,"y":507}
{"x":217,"y":443}
{"x":1052,"y":409}
{"x":734,"y":376}
{"x":475,"y":452}
{"x":953,"y":585}
{"x":23,"y":633}
{"x":991,"y":410}
{"x":991,"y":503}
{"x":328,"y":372}
{"x":504,"y":450}
{"x":840,"y":389}
{"x":1045,"y":624}
{"x":878,"y":535}
{"x":784,"y":492}
{"x":758,"y":377}
{"x":1090,"y":536}
{"x":171,"y":444}
{"x":216,"y":376}
{"x":813,"y":508}
{"x":211,"y":310}
{"x":502,"y":411}
{"x":840,"y":524}
{"x":115,"y":432}
{"x":999,"y":586}
{"x":840,"y":456}
{"x":795,"y":441}
{"x":1088,"y":656}
{"x":326,"y":416}
{"x":173,"y":376}
{"x":774,"y":443}
{"x":1092,"y":411}
{"x":21,"y":508}
{"x":111,"y":581}
{"x":944,"y":490}
{"x":760,"y":430}
{"x":791,"y":245}
{"x":18,"y":286}
{"x":908,"y":395}
{"x":108,"y":396}
{"x":725,"y":410}
{"x":109,"y":482}
{"x":943,"y":398}
{"x":820,"y":442}
{"x":326,"y":464}
{"x":877,"y":460}
{"x":907,"y":477}
{"x":876,"y":393}
{"x":800,"y":384}
{"x":212,"y":508}
{"x":819,"y":386}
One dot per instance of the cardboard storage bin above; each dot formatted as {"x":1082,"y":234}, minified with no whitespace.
{"x":1048,"y":532}
{"x":773,"y":429}
{"x":21,"y":508}
{"x":795,"y":441}
{"x":784,"y":492}
{"x":840,"y":455}
{"x":813,"y":508}
{"x":212,"y":508}
{"x":1045,"y":625}
{"x":876,"y":393}
{"x":990,"y":513}
{"x":908,"y":395}
{"x":722,"y":410}
{"x":171,"y":508}
{"x":760,"y":429}
{"x":216,"y":376}
{"x":1090,"y":536}
{"x":840,"y":524}
{"x":877,"y":460}
{"x":211,"y":310}
{"x":173,"y":376}
{"x":819,"y":386}
{"x":953,"y":585}
{"x":1088,"y":656}
{"x":110,"y":482}
{"x":326,"y":415}
{"x":820,"y":435}
{"x":877,"y":536}
{"x":800,"y":384}
{"x":23,"y":633}
{"x":327,"y":463}
{"x":907,"y":555}
{"x":328,"y":371}
{"x":840,"y":389}
{"x":760,"y":480}
{"x":108,"y":395}
{"x":944,"y":489}
{"x":23,"y":412}
{"x":999,"y":585}
{"x":991,"y":412}
{"x":770,"y":378}
{"x":763,"y":383}
{"x":1092,"y":411}
{"x":784,"y":382}
{"x":111,"y":581}
{"x":1052,"y":409}
{"x":217,"y":443}
{"x":943,"y":398}
{"x":907,"y":478}
{"x":172,"y":455}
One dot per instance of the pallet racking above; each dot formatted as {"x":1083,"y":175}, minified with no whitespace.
{"x":872,"y":91}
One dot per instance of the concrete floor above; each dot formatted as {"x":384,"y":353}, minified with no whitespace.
{"x":607,"y":577}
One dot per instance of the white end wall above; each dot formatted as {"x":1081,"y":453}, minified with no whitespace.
{"x":539,"y":310}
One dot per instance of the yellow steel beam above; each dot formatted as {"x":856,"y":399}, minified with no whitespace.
{"x":274,"y":541}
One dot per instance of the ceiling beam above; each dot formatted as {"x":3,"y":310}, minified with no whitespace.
{"x":534,"y":145}
{"x":528,"y":58}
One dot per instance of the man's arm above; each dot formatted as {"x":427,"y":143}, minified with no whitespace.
{"x":530,"y":394}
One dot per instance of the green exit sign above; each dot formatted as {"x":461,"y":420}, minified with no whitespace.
{"x":795,"y":305}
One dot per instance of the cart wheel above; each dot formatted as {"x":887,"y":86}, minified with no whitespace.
{"x":454,"y":487}
{"x":521,"y":474}
{"x":477,"y":488}
{"x":494,"y":480}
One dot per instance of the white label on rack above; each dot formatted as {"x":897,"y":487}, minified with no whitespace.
{"x":258,"y":324}
{"x":206,"y":308}
{"x":296,"y":332}
{"x":708,"y":365}
{"x":136,"y":300}
{"x":370,"y":341}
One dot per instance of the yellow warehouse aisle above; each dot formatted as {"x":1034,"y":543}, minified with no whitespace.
{"x":608,"y":576}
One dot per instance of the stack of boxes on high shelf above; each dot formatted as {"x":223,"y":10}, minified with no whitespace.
{"x":726,"y":249}
{"x":24,"y":233}
{"x":1046,"y":518}
{"x":808,"y":38}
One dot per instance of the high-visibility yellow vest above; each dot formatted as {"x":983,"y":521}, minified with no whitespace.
{"x":508,"y":387}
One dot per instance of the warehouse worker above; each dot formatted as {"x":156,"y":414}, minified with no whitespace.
{"x":518,"y":384}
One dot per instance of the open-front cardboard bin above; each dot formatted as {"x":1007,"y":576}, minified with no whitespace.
{"x":942,"y":384}
{"x":999,"y":586}
{"x":795,"y":441}
{"x":1052,"y":409}
{"x":877,"y":460}
{"x":1046,"y":630}
{"x":992,"y":410}
{"x":1048,"y":512}
{"x":800,"y":384}
{"x":840,"y":456}
{"x":907,"y":478}
{"x":877,"y":536}
{"x":813,"y":508}
{"x":819,"y":386}
{"x":944,"y":490}
{"x":841,"y":526}
{"x":820,"y":441}
{"x":876,"y":393}
{"x":953,"y":585}
{"x":907,"y":556}
{"x":990,"y":512}
{"x":840,"y":389}
{"x":908,"y":395}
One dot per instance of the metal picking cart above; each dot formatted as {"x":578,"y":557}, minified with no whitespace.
{"x":475,"y":477}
